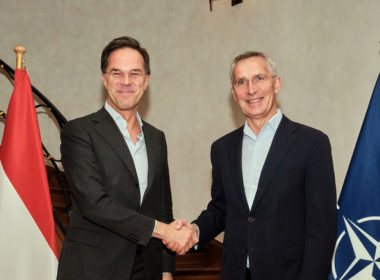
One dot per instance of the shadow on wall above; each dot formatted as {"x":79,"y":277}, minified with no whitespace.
{"x":144,"y":105}
{"x":236,"y":114}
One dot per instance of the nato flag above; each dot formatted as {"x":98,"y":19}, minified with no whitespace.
{"x":357,"y":249}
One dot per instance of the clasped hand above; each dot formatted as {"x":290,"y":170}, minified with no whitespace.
{"x":182,"y":237}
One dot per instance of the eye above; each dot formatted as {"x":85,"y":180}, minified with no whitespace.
{"x":260,"y":77}
{"x":116,"y":73}
{"x":241,"y":82}
{"x":134,"y":74}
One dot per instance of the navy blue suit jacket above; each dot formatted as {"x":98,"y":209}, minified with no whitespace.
{"x":290,"y":231}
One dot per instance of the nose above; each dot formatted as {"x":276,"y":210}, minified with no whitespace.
{"x":125,"y":79}
{"x":251,"y":87}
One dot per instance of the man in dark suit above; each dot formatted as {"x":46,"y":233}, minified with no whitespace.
{"x":117,"y":168}
{"x":273,"y":190}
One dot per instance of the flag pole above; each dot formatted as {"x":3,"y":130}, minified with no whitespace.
{"x":19,"y":50}
{"x":27,"y":235}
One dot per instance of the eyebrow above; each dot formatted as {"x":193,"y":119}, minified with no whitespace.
{"x":132,"y":70}
{"x":136,"y":70}
{"x":256,"y":75}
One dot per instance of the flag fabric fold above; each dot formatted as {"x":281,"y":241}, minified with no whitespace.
{"x":357,"y":250}
{"x":27,"y":233}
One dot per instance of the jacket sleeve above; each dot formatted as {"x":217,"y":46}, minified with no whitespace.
{"x":320,"y":203}
{"x":211,"y":221}
{"x":167,"y":207}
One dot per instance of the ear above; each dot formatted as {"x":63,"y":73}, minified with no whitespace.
{"x":277,"y":84}
{"x":104,"y":79}
{"x":233,"y":93}
{"x":146,"y":82}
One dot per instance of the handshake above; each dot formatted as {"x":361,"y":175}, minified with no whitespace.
{"x":178,"y":236}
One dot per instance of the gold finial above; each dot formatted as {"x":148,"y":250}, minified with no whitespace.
{"x":19,"y":50}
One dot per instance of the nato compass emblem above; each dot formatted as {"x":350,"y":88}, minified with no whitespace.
{"x":357,"y":252}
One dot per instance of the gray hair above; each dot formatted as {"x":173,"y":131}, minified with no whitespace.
{"x":270,"y":64}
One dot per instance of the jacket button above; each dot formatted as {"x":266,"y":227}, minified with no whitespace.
{"x":251,"y":219}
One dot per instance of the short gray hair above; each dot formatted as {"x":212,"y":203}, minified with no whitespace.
{"x":270,"y":64}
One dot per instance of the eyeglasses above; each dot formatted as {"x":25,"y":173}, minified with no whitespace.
{"x":132,"y":75}
{"x":255,"y":80}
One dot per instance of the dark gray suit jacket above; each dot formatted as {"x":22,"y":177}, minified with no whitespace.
{"x":106,"y":220}
{"x":290,"y":231}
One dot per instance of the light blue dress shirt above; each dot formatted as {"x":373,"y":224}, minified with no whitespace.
{"x":254,"y":152}
{"x":138,"y":150}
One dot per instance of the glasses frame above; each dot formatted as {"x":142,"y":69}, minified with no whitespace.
{"x":255,"y":80}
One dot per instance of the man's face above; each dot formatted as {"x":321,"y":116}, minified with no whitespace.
{"x":254,"y":89}
{"x":125,"y":80}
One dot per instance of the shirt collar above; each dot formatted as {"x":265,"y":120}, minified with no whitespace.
{"x":117,"y":117}
{"x":273,"y":123}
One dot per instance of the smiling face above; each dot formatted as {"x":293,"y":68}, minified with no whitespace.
{"x":254,"y":89}
{"x":125,"y":80}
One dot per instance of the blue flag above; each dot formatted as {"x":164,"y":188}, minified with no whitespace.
{"x":357,"y":249}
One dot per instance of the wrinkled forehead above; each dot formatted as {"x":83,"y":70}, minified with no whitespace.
{"x":249,"y":67}
{"x":125,"y":59}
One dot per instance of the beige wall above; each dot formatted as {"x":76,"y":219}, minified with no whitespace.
{"x":326,"y":52}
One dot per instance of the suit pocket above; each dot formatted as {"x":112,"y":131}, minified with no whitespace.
{"x":85,"y":237}
{"x":294,"y":253}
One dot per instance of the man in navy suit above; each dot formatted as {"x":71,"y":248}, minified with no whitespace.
{"x":273,"y":190}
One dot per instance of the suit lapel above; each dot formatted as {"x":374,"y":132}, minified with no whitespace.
{"x":282,"y":141}
{"x":150,"y":150}
{"x":236,"y":156}
{"x":108,"y":130}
